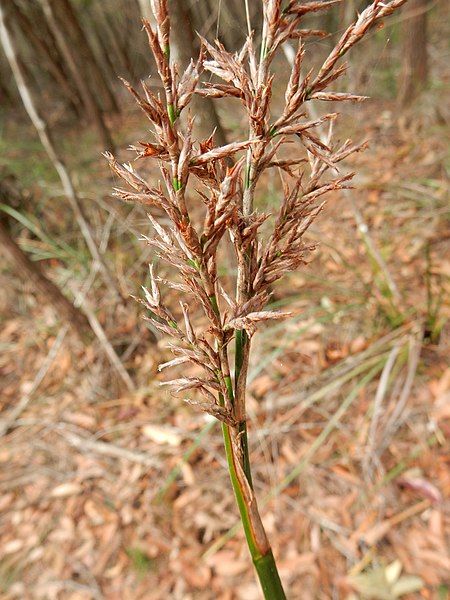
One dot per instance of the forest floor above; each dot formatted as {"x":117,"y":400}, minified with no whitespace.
{"x":116,"y":493}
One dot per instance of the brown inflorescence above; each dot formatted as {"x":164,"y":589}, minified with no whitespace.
{"x":229,"y":184}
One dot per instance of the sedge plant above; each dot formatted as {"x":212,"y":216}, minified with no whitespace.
{"x":218,"y":315}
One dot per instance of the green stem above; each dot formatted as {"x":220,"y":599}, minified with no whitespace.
{"x":264,"y":563}
{"x":239,"y":359}
{"x":237,"y":451}
{"x":269,"y":577}
{"x":240,"y":341}
{"x":245,"y":452}
{"x":172,"y":114}
{"x":243,"y":509}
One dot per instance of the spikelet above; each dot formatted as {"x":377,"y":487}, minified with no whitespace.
{"x":209,"y":316}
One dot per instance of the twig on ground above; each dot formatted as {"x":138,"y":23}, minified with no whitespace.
{"x":89,"y":444}
{"x":107,"y":347}
{"x":370,"y":452}
{"x":396,"y":418}
{"x":15,"y":412}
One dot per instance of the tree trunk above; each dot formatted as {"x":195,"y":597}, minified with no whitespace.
{"x":122,"y":64}
{"x":65,"y":12}
{"x":104,"y":40}
{"x":44,"y":50}
{"x":186,"y":48}
{"x":31,"y":271}
{"x":79,"y":74}
{"x":414,"y":74}
{"x":131,"y":21}
{"x":183,"y":48}
{"x":6,"y":97}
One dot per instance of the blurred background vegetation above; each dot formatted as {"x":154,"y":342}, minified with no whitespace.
{"x":96,"y":459}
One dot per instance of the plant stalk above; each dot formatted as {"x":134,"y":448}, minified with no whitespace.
{"x":258,"y":544}
{"x":241,"y":339}
{"x":238,"y":460}
{"x":236,"y":439}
